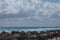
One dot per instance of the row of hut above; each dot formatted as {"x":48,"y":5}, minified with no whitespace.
{"x":31,"y":35}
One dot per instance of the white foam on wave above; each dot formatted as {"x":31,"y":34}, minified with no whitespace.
{"x":28,"y":29}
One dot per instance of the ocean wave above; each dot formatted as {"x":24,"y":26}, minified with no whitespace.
{"x":9,"y":29}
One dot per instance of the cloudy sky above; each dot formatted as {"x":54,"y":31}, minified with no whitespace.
{"x":32,"y":12}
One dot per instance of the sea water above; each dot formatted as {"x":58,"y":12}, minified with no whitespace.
{"x":14,"y":24}
{"x":9,"y":29}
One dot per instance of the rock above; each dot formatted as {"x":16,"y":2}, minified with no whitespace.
{"x":16,"y":36}
{"x":32,"y":35}
{"x":15,"y":39}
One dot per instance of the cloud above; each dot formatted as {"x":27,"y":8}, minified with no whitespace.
{"x":32,"y":7}
{"x":54,"y":1}
{"x":15,"y":6}
{"x":29,"y":22}
{"x":48,"y":9}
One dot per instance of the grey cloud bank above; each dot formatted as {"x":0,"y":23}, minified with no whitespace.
{"x":29,"y":13}
{"x":21,"y":22}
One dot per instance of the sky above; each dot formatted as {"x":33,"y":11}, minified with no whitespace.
{"x":32,"y":12}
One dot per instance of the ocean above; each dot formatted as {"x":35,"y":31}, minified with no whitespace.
{"x":9,"y":29}
{"x":14,"y":24}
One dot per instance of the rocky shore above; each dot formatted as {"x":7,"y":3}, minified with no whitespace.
{"x":30,"y":35}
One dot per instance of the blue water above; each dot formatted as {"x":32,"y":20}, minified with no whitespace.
{"x":9,"y":29}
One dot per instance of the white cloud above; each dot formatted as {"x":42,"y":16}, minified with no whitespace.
{"x":46,"y":9}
